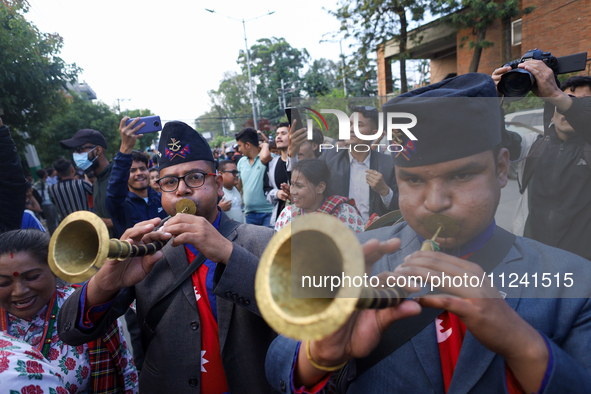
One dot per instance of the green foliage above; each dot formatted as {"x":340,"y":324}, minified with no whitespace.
{"x":273,"y":59}
{"x":210,"y":121}
{"x":78,"y":114}
{"x":320,"y":78}
{"x":232,"y":99}
{"x":32,"y":75}
{"x":372,"y":23}
{"x":531,"y":101}
{"x":146,"y":139}
{"x":217,"y":141}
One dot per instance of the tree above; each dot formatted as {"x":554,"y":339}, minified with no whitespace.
{"x":210,"y":121}
{"x":147,"y":139}
{"x":232,"y":99}
{"x":321,"y":78}
{"x":78,"y":114}
{"x":479,"y":15}
{"x":273,"y":59}
{"x":375,"y":22}
{"x":32,"y":76}
{"x":361,"y":75}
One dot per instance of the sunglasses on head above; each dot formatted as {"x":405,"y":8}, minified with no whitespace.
{"x":364,"y":108}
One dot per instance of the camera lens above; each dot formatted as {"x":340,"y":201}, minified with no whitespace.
{"x":516,"y":83}
{"x":156,"y":123}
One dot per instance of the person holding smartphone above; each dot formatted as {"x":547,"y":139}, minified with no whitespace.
{"x":130,"y":199}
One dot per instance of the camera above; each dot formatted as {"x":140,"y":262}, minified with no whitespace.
{"x":518,"y":82}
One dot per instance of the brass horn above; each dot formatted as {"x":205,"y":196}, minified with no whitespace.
{"x":331,"y":248}
{"x":80,"y":245}
{"x":323,"y":247}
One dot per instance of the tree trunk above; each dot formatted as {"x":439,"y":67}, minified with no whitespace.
{"x":477,"y":51}
{"x":505,"y":40}
{"x":402,"y":49}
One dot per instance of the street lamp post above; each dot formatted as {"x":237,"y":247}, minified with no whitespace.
{"x":254,"y":114}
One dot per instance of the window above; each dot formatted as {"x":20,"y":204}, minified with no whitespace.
{"x":516,"y":32}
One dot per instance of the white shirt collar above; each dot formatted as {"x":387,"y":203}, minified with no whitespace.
{"x":353,"y":160}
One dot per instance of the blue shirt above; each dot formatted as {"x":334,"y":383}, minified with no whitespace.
{"x":252,"y":185}
{"x":127,"y":208}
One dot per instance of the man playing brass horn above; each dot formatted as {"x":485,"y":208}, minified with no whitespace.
{"x":490,"y":335}
{"x":202,"y":341}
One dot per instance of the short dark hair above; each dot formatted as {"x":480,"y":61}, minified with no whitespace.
{"x":62,"y":167}
{"x":32,"y":241}
{"x":575,"y":82}
{"x":154,"y":169}
{"x":248,"y":134}
{"x":317,"y":138}
{"x":40,"y":173}
{"x":371,"y":113}
{"x":138,"y":155}
{"x":50,"y":171}
{"x":315,"y":171}
{"x":224,"y":163}
{"x":283,"y":124}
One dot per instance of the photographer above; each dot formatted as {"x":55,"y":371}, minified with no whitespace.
{"x":555,"y":173}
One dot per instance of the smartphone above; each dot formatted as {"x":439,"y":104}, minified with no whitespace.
{"x":152,"y":124}
{"x":294,"y":114}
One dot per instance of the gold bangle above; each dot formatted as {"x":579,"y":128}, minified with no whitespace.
{"x":318,"y":366}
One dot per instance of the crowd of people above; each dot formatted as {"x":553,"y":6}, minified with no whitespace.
{"x":193,"y":319}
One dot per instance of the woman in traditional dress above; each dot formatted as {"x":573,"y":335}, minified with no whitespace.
{"x":24,"y":370}
{"x":310,"y":191}
{"x":29,"y":305}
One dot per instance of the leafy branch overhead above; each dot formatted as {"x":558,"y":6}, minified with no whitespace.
{"x":478,"y":16}
{"x":32,"y":75}
{"x":374,"y":23}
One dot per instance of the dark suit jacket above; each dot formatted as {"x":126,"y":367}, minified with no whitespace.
{"x":173,"y":359}
{"x":560,"y":314}
{"x":340,"y":172}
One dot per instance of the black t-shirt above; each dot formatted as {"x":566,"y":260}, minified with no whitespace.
{"x":281,"y":176}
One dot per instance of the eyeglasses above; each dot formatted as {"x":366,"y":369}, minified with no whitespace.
{"x":81,"y":148}
{"x":193,"y":180}
{"x":233,"y":172}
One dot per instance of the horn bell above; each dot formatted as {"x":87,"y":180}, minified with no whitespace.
{"x":312,"y":245}
{"x":78,"y":247}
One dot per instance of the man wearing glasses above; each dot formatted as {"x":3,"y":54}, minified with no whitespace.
{"x":203,"y":341}
{"x":231,"y":204}
{"x":90,"y":153}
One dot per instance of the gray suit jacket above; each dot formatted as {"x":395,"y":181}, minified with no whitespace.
{"x":340,"y":172}
{"x":173,"y":359}
{"x":415,"y":367}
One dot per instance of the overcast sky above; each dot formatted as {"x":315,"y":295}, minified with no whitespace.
{"x":165,"y":56}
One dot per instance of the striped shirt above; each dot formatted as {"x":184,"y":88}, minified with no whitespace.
{"x":70,"y":195}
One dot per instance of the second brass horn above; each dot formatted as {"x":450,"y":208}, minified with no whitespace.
{"x":324,"y":247}
{"x":80,"y":245}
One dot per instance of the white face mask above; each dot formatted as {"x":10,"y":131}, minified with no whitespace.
{"x":81,"y":159}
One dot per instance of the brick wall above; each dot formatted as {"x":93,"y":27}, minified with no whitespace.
{"x":562,"y":27}
{"x":443,"y":66}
